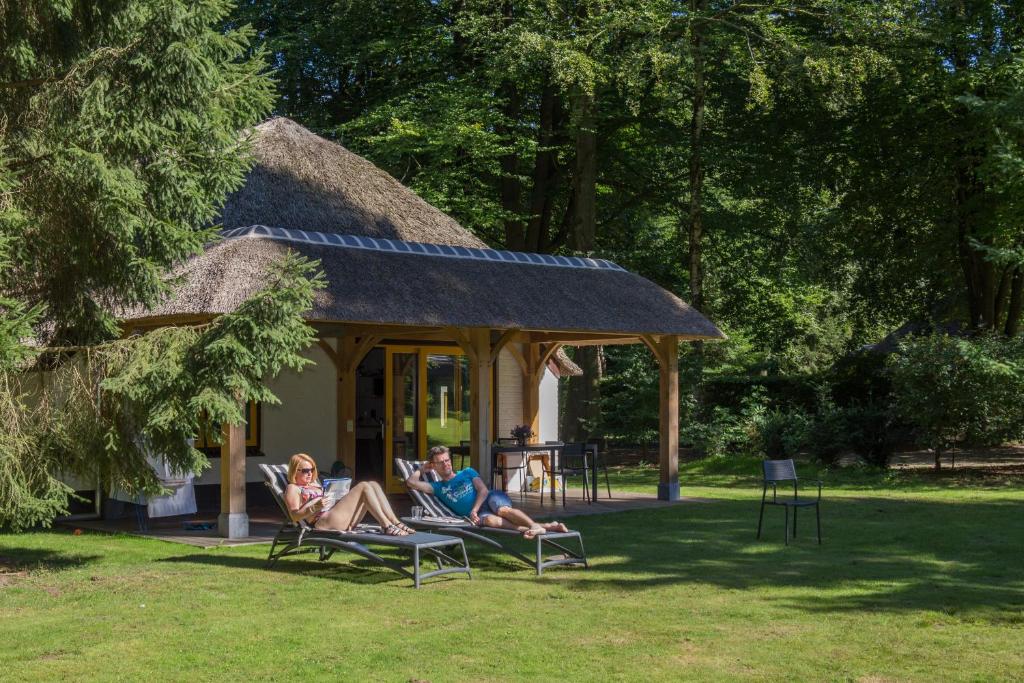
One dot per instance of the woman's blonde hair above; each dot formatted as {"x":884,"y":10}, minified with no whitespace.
{"x":297,"y":460}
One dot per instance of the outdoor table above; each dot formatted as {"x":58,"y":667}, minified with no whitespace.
{"x":554,"y":449}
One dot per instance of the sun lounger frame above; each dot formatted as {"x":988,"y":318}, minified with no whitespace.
{"x":437,"y":516}
{"x":297,"y":538}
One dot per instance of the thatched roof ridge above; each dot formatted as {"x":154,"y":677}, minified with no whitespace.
{"x":305,"y":182}
{"x":388,"y":287}
{"x":566,"y":367}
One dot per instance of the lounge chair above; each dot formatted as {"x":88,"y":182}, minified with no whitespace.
{"x":438,"y":516}
{"x":294,"y":538}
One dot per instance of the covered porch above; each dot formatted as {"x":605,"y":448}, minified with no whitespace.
{"x":265,"y":521}
{"x":478,"y":303}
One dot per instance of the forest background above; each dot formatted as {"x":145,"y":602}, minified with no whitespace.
{"x":811,"y":175}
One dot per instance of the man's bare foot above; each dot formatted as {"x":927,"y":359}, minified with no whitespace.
{"x":555,"y":526}
{"x":534,"y":532}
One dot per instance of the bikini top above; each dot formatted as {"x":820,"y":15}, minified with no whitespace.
{"x":308,"y":493}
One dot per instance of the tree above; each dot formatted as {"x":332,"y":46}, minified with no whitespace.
{"x":926,"y":196}
{"x":120,"y":135}
{"x":119,"y":140}
{"x":959,"y":390}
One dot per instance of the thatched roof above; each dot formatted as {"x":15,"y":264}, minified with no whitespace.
{"x":305,"y":182}
{"x":565,"y":365}
{"x":464,"y":288}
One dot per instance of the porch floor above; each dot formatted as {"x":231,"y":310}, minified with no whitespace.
{"x":265,"y":521}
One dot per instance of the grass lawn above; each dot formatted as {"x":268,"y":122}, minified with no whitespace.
{"x":919,"y":579}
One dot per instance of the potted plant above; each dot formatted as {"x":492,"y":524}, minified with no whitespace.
{"x":522,"y":434}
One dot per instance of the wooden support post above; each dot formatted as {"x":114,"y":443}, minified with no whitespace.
{"x":233,"y":521}
{"x":477,"y":345}
{"x":667,"y":351}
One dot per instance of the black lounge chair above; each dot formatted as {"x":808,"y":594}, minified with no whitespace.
{"x":294,"y":538}
{"x":438,"y":516}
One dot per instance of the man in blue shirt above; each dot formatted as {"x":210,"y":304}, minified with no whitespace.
{"x":467,"y":495}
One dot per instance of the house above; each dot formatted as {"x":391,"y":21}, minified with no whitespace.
{"x":425,"y":335}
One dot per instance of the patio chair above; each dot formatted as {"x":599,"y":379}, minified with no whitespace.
{"x":294,"y":538}
{"x":438,"y":516}
{"x":500,"y":465}
{"x":780,"y":471}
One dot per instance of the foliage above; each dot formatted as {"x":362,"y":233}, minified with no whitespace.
{"x":120,"y":137}
{"x":955,"y":390}
{"x":726,"y":432}
{"x":104,"y":410}
{"x":118,"y":142}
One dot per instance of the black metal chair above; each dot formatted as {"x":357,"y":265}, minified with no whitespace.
{"x":573,"y":462}
{"x":604,"y":468}
{"x":784,"y":470}
{"x":500,"y":466}
{"x":461,"y":452}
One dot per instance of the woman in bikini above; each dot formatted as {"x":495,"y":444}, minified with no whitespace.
{"x":304,"y":497}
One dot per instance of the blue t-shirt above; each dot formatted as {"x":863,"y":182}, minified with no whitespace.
{"x":458,"y":492}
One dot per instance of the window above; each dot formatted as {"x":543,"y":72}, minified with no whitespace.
{"x":208,"y":440}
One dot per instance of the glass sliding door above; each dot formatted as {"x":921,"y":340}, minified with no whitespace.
{"x":428,"y":403}
{"x":447,"y":399}
{"x":403,"y":428}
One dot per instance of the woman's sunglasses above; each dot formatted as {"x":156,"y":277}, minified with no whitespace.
{"x":306,"y":470}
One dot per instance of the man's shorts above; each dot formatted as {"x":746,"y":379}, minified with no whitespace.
{"x":495,"y":501}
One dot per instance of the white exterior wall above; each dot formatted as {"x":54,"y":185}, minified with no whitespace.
{"x":549,"y":406}
{"x":509,"y":395}
{"x":304,"y":422}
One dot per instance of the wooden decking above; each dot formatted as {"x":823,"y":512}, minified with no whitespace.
{"x":264,"y":522}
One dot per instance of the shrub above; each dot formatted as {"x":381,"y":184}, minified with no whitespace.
{"x":782,"y":433}
{"x":953,"y":390}
{"x":872,"y":433}
{"x":727,"y":432}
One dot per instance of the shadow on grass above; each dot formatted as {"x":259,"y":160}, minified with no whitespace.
{"x":342,"y":566}
{"x":35,"y":559}
{"x":961,"y":559}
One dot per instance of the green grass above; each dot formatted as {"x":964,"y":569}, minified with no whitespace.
{"x":918,"y":579}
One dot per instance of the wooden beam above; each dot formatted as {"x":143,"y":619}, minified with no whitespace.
{"x":480,"y":374}
{"x":233,"y":521}
{"x":545,"y":356}
{"x":581,"y":338}
{"x":359,"y":351}
{"x":668,"y":417}
{"x":329,"y":350}
{"x":651,"y":342}
{"x":504,"y":339}
{"x":517,"y":354}
{"x":464,"y":338}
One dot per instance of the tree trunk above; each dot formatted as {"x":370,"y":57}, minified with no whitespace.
{"x":585,"y":391}
{"x":545,"y":175}
{"x":584,"y":225}
{"x":509,"y":186}
{"x":1001,"y":293}
{"x":696,"y":208}
{"x":1013,"y":310}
